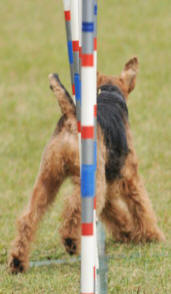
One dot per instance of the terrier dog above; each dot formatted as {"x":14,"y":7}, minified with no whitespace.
{"x":122,"y":201}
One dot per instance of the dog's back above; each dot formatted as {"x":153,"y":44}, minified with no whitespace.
{"x":112,"y":115}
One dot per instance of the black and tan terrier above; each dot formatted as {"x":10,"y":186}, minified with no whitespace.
{"x":122,"y":201}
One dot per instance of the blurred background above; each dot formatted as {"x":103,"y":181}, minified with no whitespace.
{"x":33,"y":44}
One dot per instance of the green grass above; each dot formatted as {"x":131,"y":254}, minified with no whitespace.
{"x":32,"y":44}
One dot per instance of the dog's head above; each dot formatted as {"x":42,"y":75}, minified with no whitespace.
{"x":125,"y":81}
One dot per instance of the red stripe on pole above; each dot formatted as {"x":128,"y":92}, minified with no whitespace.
{"x":87,"y":229}
{"x":67,"y":15}
{"x":73,"y":89}
{"x":80,"y":52}
{"x":87,"y":60}
{"x":95,"y":110}
{"x":94,"y":273}
{"x":95,"y":44}
{"x":75,"y":45}
{"x":87,"y":132}
{"x":79,"y":126}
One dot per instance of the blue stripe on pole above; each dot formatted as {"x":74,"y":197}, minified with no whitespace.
{"x":95,"y":155}
{"x":95,"y":9}
{"x":88,"y":27}
{"x":80,"y":90}
{"x":70,"y":52}
{"x":77,"y":86}
{"x":87,"y":180}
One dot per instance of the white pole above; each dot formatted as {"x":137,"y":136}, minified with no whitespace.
{"x":88,"y":169}
{"x":95,"y":140}
{"x":67,"y":14}
{"x":75,"y":25}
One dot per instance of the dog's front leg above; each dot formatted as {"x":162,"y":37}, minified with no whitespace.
{"x":51,"y":175}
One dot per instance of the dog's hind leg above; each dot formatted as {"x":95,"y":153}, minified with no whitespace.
{"x":128,"y":214}
{"x":116,"y":215}
{"x":70,"y":228}
{"x":133,"y":193}
{"x":145,"y":224}
{"x":51,"y":175}
{"x":129,"y":207}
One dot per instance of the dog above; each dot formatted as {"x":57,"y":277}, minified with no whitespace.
{"x":122,"y":201}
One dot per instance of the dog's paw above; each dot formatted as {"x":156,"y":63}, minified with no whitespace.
{"x":156,"y":236}
{"x":70,"y":246}
{"x":16,"y":265}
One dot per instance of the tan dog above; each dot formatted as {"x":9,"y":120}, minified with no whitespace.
{"x":122,"y":201}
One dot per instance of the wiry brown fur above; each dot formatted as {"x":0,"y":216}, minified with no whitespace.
{"x":123,"y":204}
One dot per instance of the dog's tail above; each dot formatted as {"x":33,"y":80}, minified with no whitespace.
{"x":64,"y":99}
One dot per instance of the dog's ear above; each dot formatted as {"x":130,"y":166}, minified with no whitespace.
{"x":99,"y":78}
{"x":129,"y":74}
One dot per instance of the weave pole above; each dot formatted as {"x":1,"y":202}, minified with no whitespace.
{"x":67,"y":15}
{"x":88,"y":168}
{"x":96,"y":266}
{"x":76,"y":58}
{"x":81,"y":32}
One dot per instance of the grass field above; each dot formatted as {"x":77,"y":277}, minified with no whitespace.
{"x":32,"y":44}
